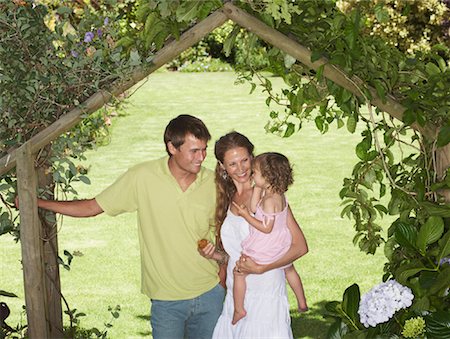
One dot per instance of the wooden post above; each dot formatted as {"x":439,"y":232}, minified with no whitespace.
{"x":442,"y":164}
{"x":50,"y":253}
{"x":30,"y":238}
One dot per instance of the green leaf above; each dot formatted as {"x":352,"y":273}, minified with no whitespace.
{"x":350,"y":304}
{"x":404,"y":272}
{"x":361,"y":150}
{"x":230,"y":40}
{"x":428,"y":279}
{"x":85,"y":179}
{"x":381,"y":14}
{"x":126,"y":42}
{"x":312,"y":92}
{"x":382,"y":191}
{"x":316,"y":55}
{"x":175,"y":29}
{"x":346,"y":95}
{"x":319,"y":72}
{"x":150,"y":23}
{"x":160,"y":38}
{"x":352,"y":34}
{"x":421,"y":304}
{"x":351,"y":124}
{"x":441,"y":62}
{"x":432,"y":69}
{"x":319,"y":122}
{"x":429,"y":233}
{"x":409,"y":116}
{"x":389,"y":248}
{"x":135,"y":58}
{"x":436,"y":210}
{"x":69,"y":256}
{"x":96,"y":331}
{"x":438,"y":325}
{"x":381,"y":209}
{"x":346,"y":211}
{"x":405,"y":234}
{"x":187,"y":11}
{"x":442,"y":282}
{"x":7,"y":294}
{"x":64,"y":10}
{"x":333,"y":307}
{"x":4,"y":187}
{"x":443,"y":136}
{"x":381,"y":92}
{"x":289,"y":130}
{"x":56,"y":176}
{"x":337,"y":330}
{"x":444,"y":245}
{"x":369,"y":178}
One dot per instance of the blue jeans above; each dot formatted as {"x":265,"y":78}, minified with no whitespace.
{"x":191,"y":318}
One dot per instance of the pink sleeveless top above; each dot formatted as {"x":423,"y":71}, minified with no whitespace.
{"x":265,"y":248}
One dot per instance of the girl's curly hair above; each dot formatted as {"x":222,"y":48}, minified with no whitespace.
{"x":276,"y":170}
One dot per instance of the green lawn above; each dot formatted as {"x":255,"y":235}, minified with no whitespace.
{"x":108,"y":273}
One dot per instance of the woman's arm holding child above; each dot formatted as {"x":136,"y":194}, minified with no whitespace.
{"x":298,"y":248}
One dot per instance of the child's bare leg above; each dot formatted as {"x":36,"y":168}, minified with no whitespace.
{"x":295,"y":282}
{"x":239,"y":287}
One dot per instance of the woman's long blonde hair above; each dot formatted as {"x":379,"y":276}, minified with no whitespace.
{"x":224,"y":185}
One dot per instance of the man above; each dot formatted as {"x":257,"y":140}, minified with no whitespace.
{"x":175,"y":199}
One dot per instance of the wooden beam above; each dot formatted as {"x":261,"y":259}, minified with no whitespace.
{"x":303,"y":54}
{"x":30,"y":240}
{"x":96,"y":101}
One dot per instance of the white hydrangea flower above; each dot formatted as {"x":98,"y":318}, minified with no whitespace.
{"x":382,"y":301}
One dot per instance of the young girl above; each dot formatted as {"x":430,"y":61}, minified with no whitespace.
{"x":269,"y":238}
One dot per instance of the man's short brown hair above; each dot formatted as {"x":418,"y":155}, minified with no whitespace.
{"x":182,"y":125}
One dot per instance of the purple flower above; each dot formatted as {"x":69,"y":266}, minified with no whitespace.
{"x":74,"y":53}
{"x":88,"y":37}
{"x":99,"y":33}
{"x":106,"y":21}
{"x":445,"y":260}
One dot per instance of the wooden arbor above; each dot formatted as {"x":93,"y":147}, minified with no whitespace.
{"x":41,"y":275}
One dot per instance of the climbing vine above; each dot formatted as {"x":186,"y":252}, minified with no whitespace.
{"x":63,"y":59}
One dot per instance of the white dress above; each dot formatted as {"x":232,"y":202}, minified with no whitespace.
{"x":266,"y":299}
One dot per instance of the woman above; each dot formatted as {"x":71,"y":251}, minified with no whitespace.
{"x":266,"y":298}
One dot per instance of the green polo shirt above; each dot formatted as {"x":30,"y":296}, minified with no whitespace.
{"x":170,"y":222}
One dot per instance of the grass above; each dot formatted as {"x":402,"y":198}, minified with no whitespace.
{"x":108,"y":273}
